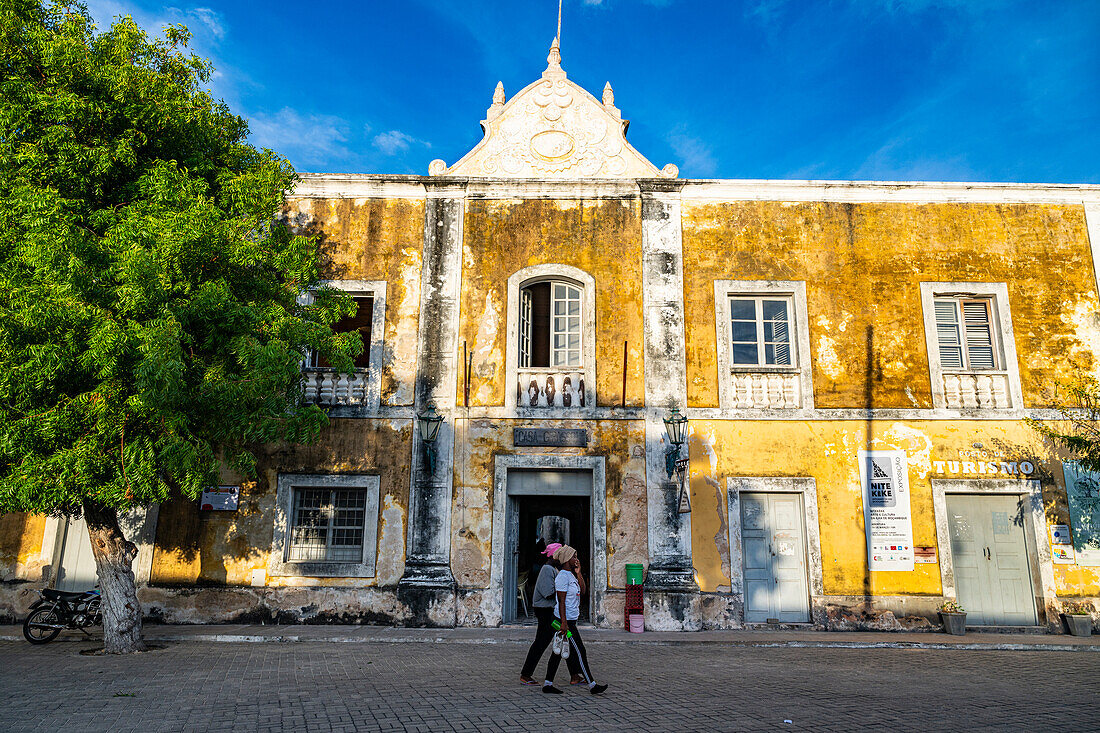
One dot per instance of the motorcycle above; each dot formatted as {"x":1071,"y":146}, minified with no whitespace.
{"x":57,"y":610}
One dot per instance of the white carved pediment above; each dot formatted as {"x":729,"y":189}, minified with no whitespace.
{"x":553,"y":129}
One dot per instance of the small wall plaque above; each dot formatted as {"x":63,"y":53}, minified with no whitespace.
{"x":555,"y":437}
{"x":220,"y":499}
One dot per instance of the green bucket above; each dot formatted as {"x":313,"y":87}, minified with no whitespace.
{"x":633,"y":574}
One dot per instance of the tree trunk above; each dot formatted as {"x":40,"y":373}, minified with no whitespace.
{"x":114,"y":559}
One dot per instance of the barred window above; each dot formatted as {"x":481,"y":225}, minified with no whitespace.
{"x":328,"y":525}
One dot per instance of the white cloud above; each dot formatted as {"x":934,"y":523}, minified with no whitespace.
{"x":209,"y":18}
{"x":395,"y":141}
{"x":392,"y":142}
{"x":206,"y":25}
{"x":306,"y":140}
{"x":695,"y":156}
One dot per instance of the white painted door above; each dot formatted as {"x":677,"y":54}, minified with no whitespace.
{"x":989,"y":554}
{"x":76,"y":571}
{"x":774,"y":552}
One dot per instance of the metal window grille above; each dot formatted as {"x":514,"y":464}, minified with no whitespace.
{"x":760,"y":331}
{"x":964,"y":334}
{"x":328,"y":525}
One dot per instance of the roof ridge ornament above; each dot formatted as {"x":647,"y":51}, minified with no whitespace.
{"x":552,"y":128}
{"x":498,"y":102}
{"x":553,"y":63}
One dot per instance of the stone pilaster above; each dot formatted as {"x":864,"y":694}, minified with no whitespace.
{"x":427,"y":587}
{"x":670,"y":583}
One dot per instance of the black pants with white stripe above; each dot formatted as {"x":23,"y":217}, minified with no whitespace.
{"x":543,"y":637}
{"x":579,"y":650}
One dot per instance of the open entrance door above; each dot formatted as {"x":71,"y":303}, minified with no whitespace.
{"x":544,"y":507}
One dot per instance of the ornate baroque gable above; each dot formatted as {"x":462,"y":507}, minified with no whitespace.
{"x":553,"y":129}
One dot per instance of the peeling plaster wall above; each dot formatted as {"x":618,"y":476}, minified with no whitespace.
{"x":375,"y":239}
{"x":862,"y":264}
{"x":601,"y":237}
{"x":827,"y":452}
{"x":480,"y":441}
{"x":223,"y":548}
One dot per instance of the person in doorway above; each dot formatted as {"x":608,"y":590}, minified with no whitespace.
{"x":568,"y":586}
{"x":543,"y":599}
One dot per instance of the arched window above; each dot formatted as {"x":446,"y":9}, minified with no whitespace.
{"x":550,"y":328}
{"x":551,"y":338}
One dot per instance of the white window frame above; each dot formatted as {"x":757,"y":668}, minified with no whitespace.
{"x":794,"y":291}
{"x":526,"y":324}
{"x":959,"y":301}
{"x":1004,"y":340}
{"x":376,"y":289}
{"x":758,"y":321}
{"x":577,"y":278}
{"x":279,"y":564}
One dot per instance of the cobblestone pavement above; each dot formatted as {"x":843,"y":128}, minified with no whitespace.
{"x":199,"y":686}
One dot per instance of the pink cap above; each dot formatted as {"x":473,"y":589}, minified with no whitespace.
{"x":551,"y":549}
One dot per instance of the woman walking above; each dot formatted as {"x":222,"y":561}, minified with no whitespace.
{"x":543,"y":599}
{"x":568,"y":586}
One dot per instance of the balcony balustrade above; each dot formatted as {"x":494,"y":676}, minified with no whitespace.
{"x":765,"y":390}
{"x":976,"y":390}
{"x":329,"y":387}
{"x":550,"y":389}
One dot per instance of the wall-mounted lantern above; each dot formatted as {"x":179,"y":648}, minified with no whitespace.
{"x":684,"y":500}
{"x":674,"y":429}
{"x":428,"y":422}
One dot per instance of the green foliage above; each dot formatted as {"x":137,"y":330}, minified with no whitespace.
{"x":951,"y":606}
{"x":1079,"y":429}
{"x":150,"y":326}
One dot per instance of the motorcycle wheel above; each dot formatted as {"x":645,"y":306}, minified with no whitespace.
{"x":36,"y":634}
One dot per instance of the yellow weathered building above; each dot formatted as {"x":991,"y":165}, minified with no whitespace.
{"x":845,"y":353}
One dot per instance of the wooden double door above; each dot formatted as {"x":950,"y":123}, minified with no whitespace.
{"x":990,"y":557}
{"x":773,"y":540}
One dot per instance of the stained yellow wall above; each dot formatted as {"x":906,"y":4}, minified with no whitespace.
{"x":479,"y":442}
{"x":827,"y":452}
{"x":21,"y":545}
{"x":375,"y":239}
{"x":216,"y":548}
{"x":862,"y":264}
{"x":603,"y":238}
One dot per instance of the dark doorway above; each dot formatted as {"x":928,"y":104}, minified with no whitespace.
{"x":564,"y":519}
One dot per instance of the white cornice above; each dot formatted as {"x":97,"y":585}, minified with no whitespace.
{"x":374,"y":185}
{"x":357,"y":186}
{"x":889,"y":191}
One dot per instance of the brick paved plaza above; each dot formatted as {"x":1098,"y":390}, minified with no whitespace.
{"x":472,"y":687}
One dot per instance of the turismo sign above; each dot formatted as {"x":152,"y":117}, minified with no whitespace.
{"x":887,"y":518}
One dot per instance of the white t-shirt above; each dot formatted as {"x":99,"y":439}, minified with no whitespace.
{"x":567,"y":582}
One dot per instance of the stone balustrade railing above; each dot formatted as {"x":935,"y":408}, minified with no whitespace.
{"x":545,"y":388}
{"x":765,"y":390}
{"x":329,"y":387}
{"x":977,"y":390}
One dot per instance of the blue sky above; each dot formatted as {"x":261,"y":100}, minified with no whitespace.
{"x":978,"y":90}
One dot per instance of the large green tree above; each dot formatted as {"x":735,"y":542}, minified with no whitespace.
{"x":151,"y":325}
